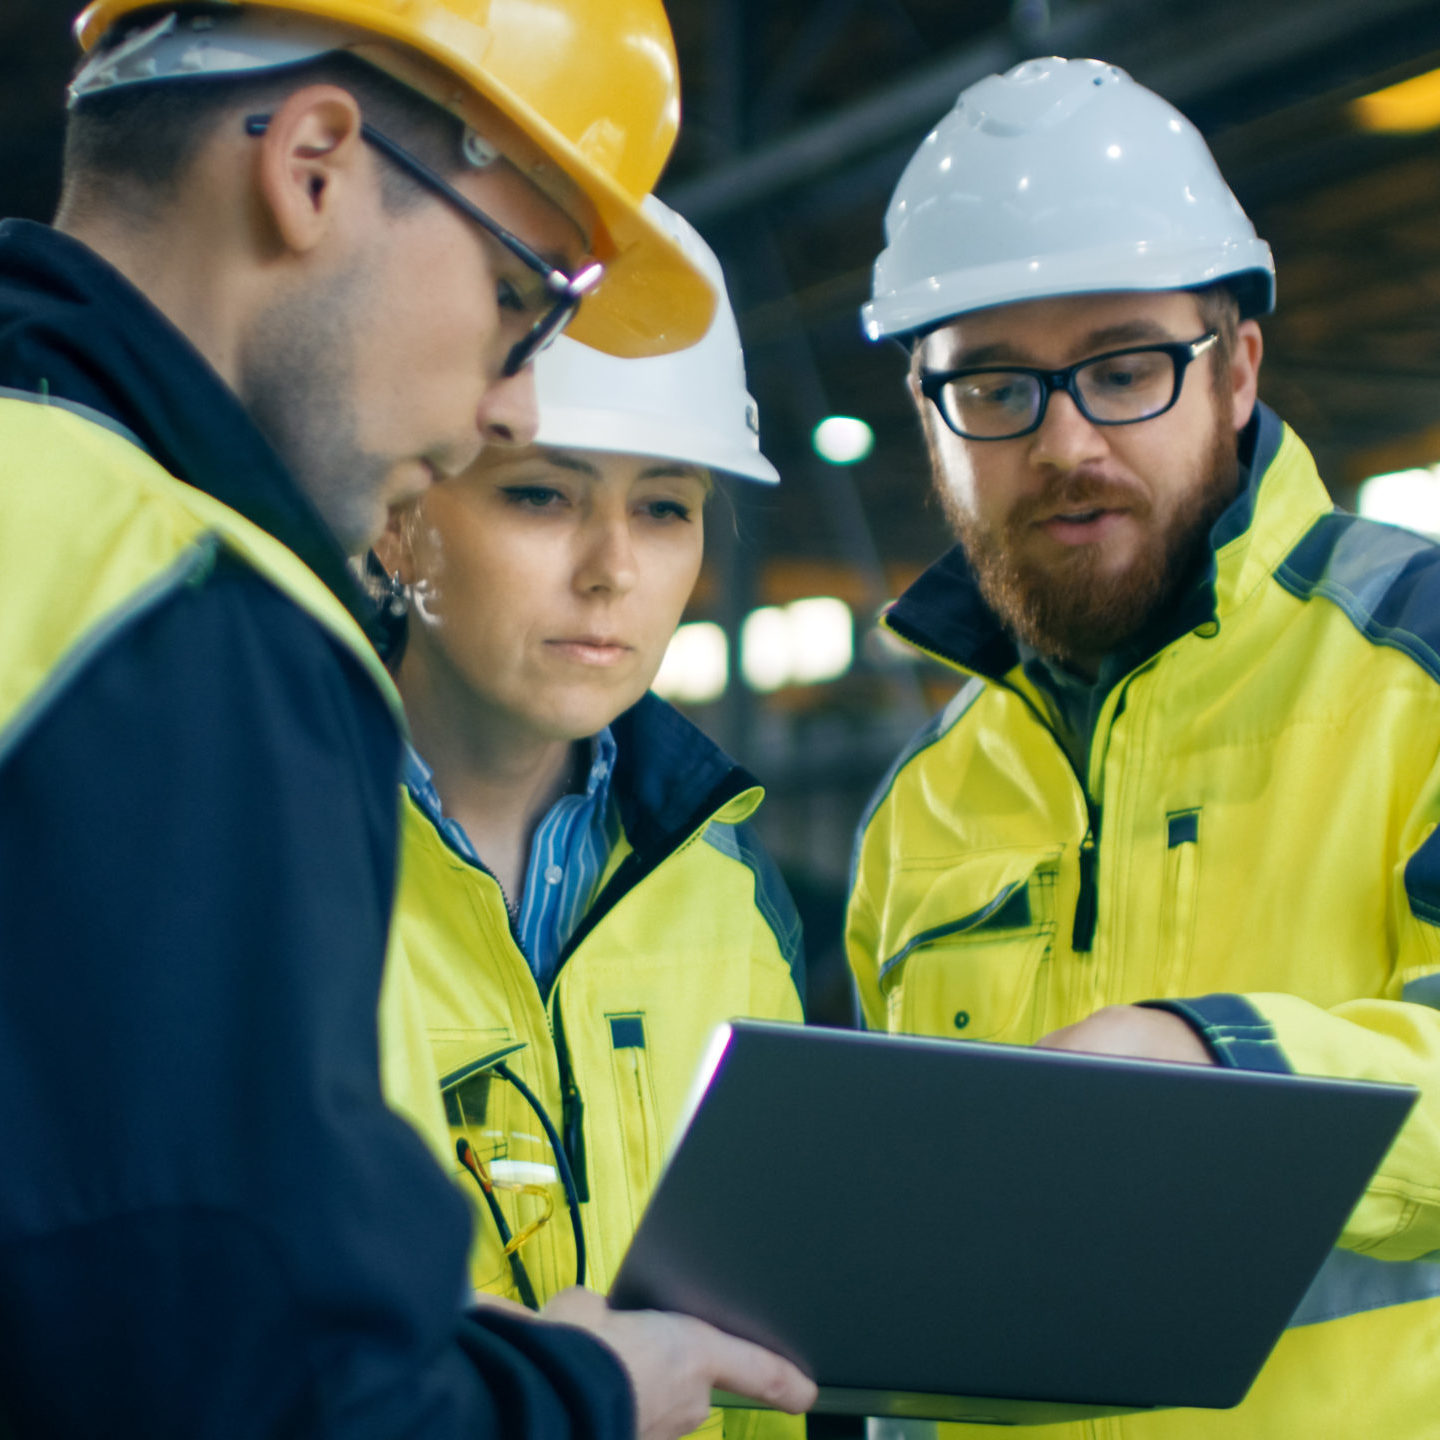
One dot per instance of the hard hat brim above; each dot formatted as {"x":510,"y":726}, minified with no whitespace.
{"x":652,"y":300}
{"x":615,"y":432}
{"x":937,"y":299}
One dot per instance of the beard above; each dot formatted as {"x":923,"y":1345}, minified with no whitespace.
{"x":1072,"y":609}
{"x":299,"y":389}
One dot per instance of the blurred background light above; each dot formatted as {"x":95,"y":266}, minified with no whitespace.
{"x":765,"y":649}
{"x":696,"y":668}
{"x":842,"y":439}
{"x":1409,"y":108}
{"x":1403,"y":497}
{"x":802,"y":643}
{"x":822,"y":639}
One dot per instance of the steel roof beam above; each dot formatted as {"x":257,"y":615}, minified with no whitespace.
{"x":915,"y":102}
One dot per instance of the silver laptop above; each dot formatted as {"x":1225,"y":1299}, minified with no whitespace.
{"x":966,"y":1231}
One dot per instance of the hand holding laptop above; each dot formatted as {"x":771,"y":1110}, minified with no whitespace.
{"x":675,"y":1361}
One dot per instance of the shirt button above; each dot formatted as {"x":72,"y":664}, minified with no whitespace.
{"x":553,"y":874}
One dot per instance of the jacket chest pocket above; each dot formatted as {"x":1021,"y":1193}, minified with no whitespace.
{"x":981,"y":977}
{"x":1177,"y":913}
{"x":637,"y":1130}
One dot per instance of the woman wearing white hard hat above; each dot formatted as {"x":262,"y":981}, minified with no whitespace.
{"x":581,"y":900}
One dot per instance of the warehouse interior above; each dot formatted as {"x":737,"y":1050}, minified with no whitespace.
{"x":799,"y":116}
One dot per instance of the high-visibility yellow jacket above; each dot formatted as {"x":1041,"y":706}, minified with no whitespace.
{"x":1254,"y":839}
{"x":145,"y":535}
{"x":691,"y":927}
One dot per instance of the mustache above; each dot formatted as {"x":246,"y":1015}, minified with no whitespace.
{"x":1078,"y":490}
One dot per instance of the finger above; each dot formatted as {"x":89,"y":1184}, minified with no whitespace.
{"x":749,"y":1370}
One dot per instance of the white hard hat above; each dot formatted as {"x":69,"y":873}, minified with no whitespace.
{"x":691,"y":406}
{"x":1059,"y":177}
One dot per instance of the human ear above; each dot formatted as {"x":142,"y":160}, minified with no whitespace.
{"x":312,"y":160}
{"x":1245,"y":371}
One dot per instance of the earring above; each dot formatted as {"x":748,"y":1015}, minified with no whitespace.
{"x":397,"y":596}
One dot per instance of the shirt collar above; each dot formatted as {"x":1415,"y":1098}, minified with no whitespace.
{"x":419,"y":780}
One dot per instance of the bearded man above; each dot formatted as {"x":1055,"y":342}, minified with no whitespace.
{"x":1184,"y":807}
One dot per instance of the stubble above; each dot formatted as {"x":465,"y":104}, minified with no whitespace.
{"x":298,"y":385}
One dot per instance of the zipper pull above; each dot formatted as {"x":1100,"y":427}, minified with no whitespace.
{"x":573,"y":1133}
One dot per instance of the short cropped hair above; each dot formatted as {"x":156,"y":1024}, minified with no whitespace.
{"x":1220,"y":311}
{"x":132,"y":146}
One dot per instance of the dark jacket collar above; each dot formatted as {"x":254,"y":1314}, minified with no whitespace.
{"x":943,"y":613}
{"x":669,"y":780}
{"x":669,"y":776}
{"x":73,"y":330}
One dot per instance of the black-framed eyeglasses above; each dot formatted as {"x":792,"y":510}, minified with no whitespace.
{"x":557,"y":296}
{"x":1120,"y":387}
{"x":506,"y":1143}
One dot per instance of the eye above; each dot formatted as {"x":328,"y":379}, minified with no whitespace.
{"x":509,"y":296}
{"x":533,"y":497}
{"x":1131,"y":372}
{"x":667,"y":510}
{"x":998,"y":391}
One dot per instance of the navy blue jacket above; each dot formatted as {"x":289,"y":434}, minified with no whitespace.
{"x":210,"y":1223}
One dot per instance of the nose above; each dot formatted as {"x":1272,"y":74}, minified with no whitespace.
{"x":1066,"y":440}
{"x":508,"y":414}
{"x":607,"y":563}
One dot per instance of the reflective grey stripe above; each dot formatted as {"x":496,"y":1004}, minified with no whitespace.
{"x":55,"y":402}
{"x":1350,"y":1284}
{"x":772,"y":898}
{"x":1424,"y":991}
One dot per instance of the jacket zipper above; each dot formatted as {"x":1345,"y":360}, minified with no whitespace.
{"x":1087,"y":905}
{"x":572,"y":1107}
{"x":631,"y":871}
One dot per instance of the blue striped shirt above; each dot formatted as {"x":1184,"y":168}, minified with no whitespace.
{"x":567,"y":856}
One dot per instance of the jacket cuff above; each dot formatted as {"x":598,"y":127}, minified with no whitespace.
{"x":1232,"y":1029}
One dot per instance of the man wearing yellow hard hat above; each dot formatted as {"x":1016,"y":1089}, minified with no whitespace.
{"x":305,"y":253}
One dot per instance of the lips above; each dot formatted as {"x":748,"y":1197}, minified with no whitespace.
{"x":599,"y":642}
{"x":591,"y":649}
{"x":1079,"y":528}
{"x":1077,"y":517}
{"x":1078,"y":507}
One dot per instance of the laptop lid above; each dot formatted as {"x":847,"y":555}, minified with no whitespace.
{"x":952,"y":1229}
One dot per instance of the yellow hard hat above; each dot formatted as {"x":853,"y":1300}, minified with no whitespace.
{"x":593,"y":86}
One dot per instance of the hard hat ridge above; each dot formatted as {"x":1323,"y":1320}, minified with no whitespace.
{"x":1059,"y":177}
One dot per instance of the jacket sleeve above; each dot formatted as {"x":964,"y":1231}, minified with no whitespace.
{"x":1390,"y":1035}
{"x":211,"y":1225}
